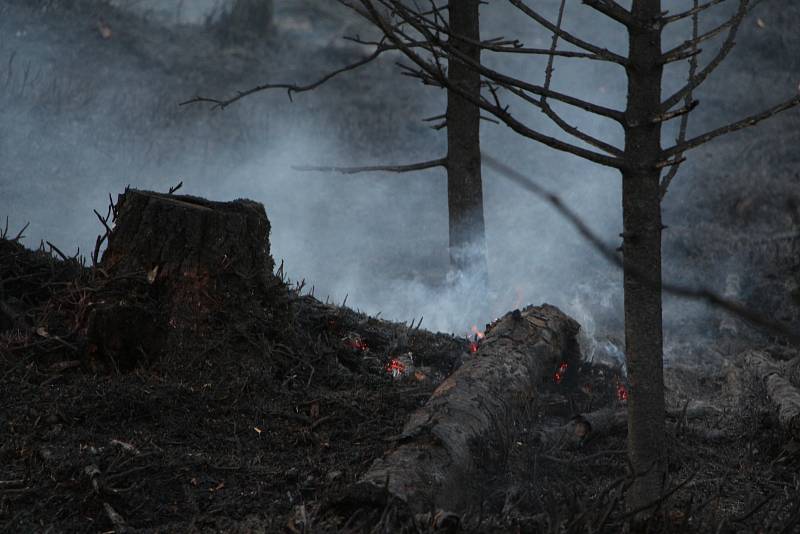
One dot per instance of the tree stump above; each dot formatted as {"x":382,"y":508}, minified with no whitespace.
{"x":172,"y":261}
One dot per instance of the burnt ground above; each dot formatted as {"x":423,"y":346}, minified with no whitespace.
{"x":224,"y":433}
{"x":263,"y":426}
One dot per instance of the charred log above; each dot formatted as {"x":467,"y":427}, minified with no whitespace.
{"x":444,"y":444}
{"x":780,"y":391}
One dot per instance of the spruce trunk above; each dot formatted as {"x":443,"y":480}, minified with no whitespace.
{"x":464,"y":185}
{"x":641,"y":216}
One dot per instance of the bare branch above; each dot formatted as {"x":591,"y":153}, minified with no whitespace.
{"x":508,"y":81}
{"x":376,"y":168}
{"x":689,"y":13}
{"x":504,"y":46}
{"x":602,"y":52}
{"x":680,"y":112}
{"x":290,"y":87}
{"x":551,"y":114}
{"x":702,"y":294}
{"x":739,"y":125}
{"x":432,"y":72}
{"x":20,"y":234}
{"x":612,"y":10}
{"x":689,"y":104}
{"x":564,"y":125}
{"x":517,"y":48}
{"x":681,"y":56}
{"x":735,"y":22}
{"x":548,"y":71}
{"x":441,"y":50}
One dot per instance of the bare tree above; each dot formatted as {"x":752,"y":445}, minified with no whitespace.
{"x":467,"y":235}
{"x":466,"y":226}
{"x":646,"y":168}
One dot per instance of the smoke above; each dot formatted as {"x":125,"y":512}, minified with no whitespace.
{"x":85,"y":116}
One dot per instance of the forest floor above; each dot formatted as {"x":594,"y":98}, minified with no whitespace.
{"x":258,"y":427}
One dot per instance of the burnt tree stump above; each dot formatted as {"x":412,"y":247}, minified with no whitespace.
{"x":192,"y":256}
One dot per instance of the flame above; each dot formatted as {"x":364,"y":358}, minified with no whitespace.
{"x":622,"y":392}
{"x":558,"y":376}
{"x":476,"y":336}
{"x":395,"y":367}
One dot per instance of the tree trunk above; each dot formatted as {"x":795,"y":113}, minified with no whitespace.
{"x":465,"y":429}
{"x":464,"y":184}
{"x":641,"y":217}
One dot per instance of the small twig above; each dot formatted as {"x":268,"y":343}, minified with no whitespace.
{"x":175,"y":187}
{"x":55,"y":249}
{"x":20,"y":234}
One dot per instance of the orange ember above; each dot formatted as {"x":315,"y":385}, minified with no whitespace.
{"x":558,"y":376}
{"x":395,"y":367}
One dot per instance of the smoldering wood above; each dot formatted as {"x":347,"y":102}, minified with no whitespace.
{"x":467,"y":424}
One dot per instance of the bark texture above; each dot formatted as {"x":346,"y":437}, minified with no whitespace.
{"x":641,"y":217}
{"x":190,"y":236}
{"x":193,"y":257}
{"x":464,"y":183}
{"x":444,"y":444}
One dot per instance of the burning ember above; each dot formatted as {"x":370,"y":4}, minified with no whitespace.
{"x":355,"y":342}
{"x":395,"y":368}
{"x":622,"y":392}
{"x":558,"y":376}
{"x":476,"y":336}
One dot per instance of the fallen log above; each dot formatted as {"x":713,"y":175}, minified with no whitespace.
{"x":780,"y":391}
{"x":465,"y":428}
